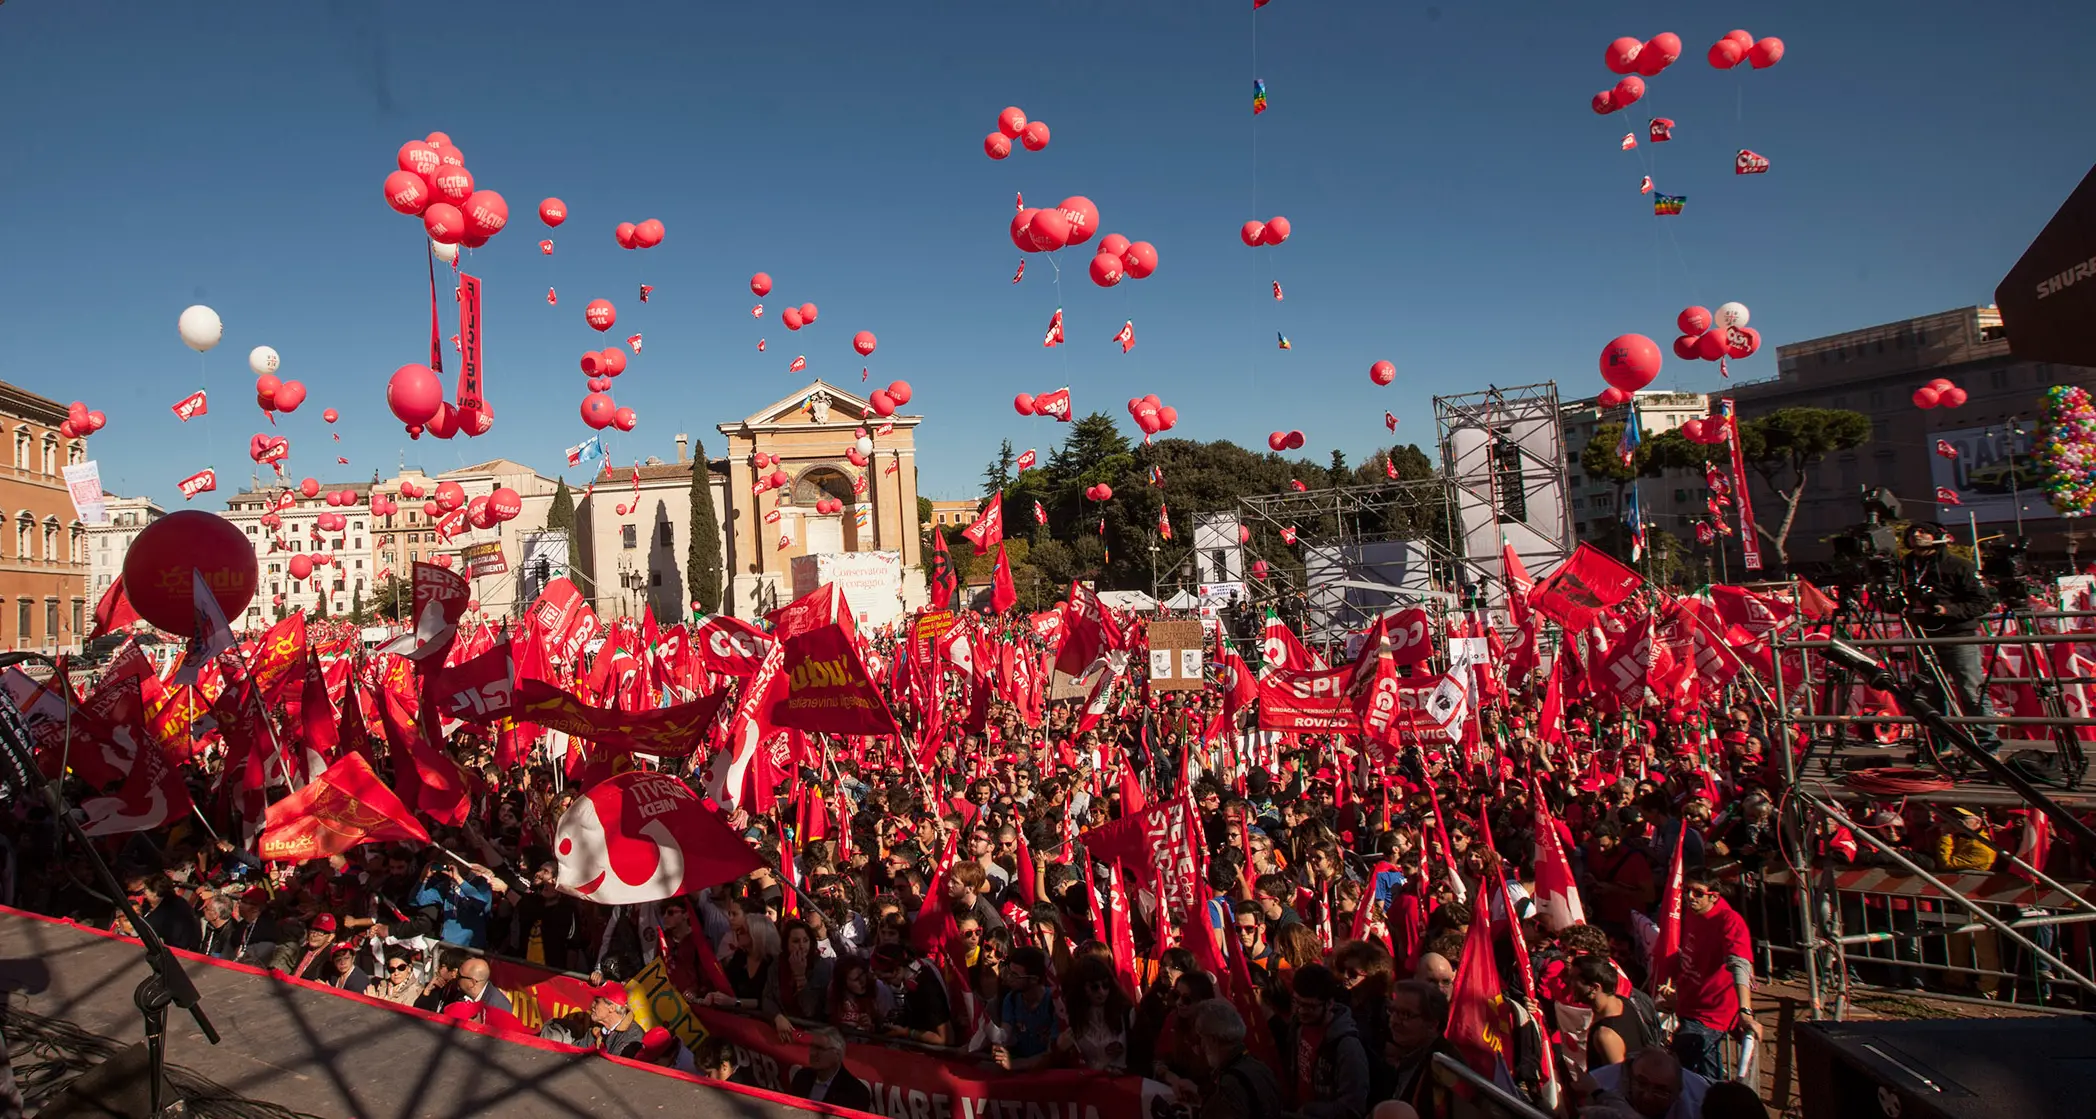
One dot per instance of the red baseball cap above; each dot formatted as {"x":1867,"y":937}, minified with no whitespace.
{"x":324,"y":923}
{"x":614,"y":993}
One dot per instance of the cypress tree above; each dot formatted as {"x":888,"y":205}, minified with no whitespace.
{"x":702,"y":563}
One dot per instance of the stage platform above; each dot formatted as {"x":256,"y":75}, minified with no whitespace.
{"x":320,"y":1054}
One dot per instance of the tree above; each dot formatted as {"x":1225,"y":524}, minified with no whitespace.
{"x":390,"y":599}
{"x":356,"y":602}
{"x":561,"y":516}
{"x":320,"y":608}
{"x":1338,"y":473}
{"x":702,"y":560}
{"x":1782,"y":447}
{"x":998,"y":475}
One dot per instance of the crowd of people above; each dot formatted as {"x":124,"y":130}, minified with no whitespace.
{"x":1341,"y":893}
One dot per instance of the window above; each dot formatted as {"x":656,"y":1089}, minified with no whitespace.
{"x":51,"y":618}
{"x":25,"y":620}
{"x":654,"y":578}
{"x":358,"y":525}
{"x":21,"y":448}
{"x":76,"y":454}
{"x":51,"y":540}
{"x":359,"y":545}
{"x":51,"y":456}
{"x":79,"y":616}
{"x":1877,"y":398}
{"x":24,"y":529}
{"x":76,"y":541}
{"x":669,"y":535}
{"x":628,"y":537}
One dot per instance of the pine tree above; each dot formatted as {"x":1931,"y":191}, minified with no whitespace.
{"x":1338,"y":472}
{"x":702,"y":560}
{"x":997,"y":477}
{"x":356,"y":602}
{"x":561,"y":516}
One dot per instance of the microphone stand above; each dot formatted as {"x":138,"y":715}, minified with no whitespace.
{"x":1914,"y":703}
{"x":168,"y":985}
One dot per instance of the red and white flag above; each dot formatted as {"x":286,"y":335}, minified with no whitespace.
{"x":757,"y":312}
{"x":1288,"y":535}
{"x":633,"y":340}
{"x":646,"y":290}
{"x":1947,"y":496}
{"x":1040,"y":515}
{"x":1277,"y":291}
{"x":552,"y":298}
{"x":1629,"y":140}
{"x":1055,"y":330}
{"x":1389,"y":468}
{"x":1164,"y":522}
{"x":1557,"y":892}
{"x":1026,"y":460}
{"x":760,"y":345}
{"x":1021,"y":273}
{"x":1944,"y":448}
{"x":643,"y":836}
{"x":1390,"y":422}
{"x":1057,"y":403}
{"x":546,"y":248}
{"x":988,"y":528}
{"x":203,"y":481}
{"x":799,"y":363}
{"x":1126,"y":336}
{"x":192,"y":406}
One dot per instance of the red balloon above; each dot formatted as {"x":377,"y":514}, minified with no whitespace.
{"x":1765,"y":53}
{"x":883,"y":404}
{"x":1953,"y":397}
{"x":1034,"y":136}
{"x":407,"y":192}
{"x":266,"y":387}
{"x":448,"y":154}
{"x":1277,"y":441}
{"x":1168,"y":416}
{"x":66,"y":430}
{"x":1140,"y":260}
{"x":1113,"y":243}
{"x":1107,"y":270}
{"x":625,"y":419}
{"x":553,"y":211}
{"x":441,"y":560}
{"x":1083,"y":217}
{"x":623,"y":234}
{"x":452,"y":184}
{"x":290,"y":395}
{"x":1049,"y":229}
{"x":419,"y":158}
{"x":599,"y":384}
{"x":1628,"y":91}
{"x":445,"y":423}
{"x":600,"y":314}
{"x":334,"y":497}
{"x":473,"y":240}
{"x":309,"y":486}
{"x":444,"y":223}
{"x":1940,"y":383}
{"x":598,"y":410}
{"x":1630,"y":361}
{"x":476,"y":422}
{"x":1295,"y":440}
{"x":997,"y":145}
{"x":807,"y":313}
{"x":1926,"y":397}
{"x":1276,"y":231}
{"x":430,"y":510}
{"x":760,"y":284}
{"x":1692,"y":431}
{"x":791,"y":316}
{"x":1611,"y":397}
{"x":472,"y":604}
{"x":1685,"y":347}
{"x":1744,"y":38}
{"x":330,"y":415}
{"x":437,"y":139}
{"x":1605,"y":102}
{"x":504,"y":504}
{"x":1252,"y":232}
{"x":760,"y":460}
{"x":1711,"y":346}
{"x":450,"y":495}
{"x":612,"y":361}
{"x":301,"y":566}
{"x":1621,"y":55}
{"x":1738,"y":343}
{"x":1693,"y":320}
{"x":1105,"y":492}
{"x":864,"y":342}
{"x":1382,"y":372}
{"x":780,"y":477}
{"x":1658,"y":53}
{"x":1011,"y":122}
{"x":852,"y":455}
{"x":592,"y":363}
{"x":1023,"y":404}
{"x":414,"y":394}
{"x":162,"y":563}
{"x":486,"y":213}
{"x":96,"y":421}
{"x":1022,"y":235}
{"x":648,"y":234}
{"x":900,"y":392}
{"x":1726,"y":53}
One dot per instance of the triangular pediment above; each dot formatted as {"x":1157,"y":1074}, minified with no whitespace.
{"x":844,"y":407}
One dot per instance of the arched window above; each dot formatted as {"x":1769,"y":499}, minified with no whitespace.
{"x":76,"y":537}
{"x":50,"y":539}
{"x":76,"y":453}
{"x":50,"y":453}
{"x":22,"y":444}
{"x":25,"y":533}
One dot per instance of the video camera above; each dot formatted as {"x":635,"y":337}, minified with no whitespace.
{"x":1866,"y":556}
{"x":2008,"y":572}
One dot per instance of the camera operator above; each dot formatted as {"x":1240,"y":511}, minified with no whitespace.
{"x":1945,"y":598}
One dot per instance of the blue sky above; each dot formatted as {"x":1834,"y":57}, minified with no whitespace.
{"x":1457,"y":208}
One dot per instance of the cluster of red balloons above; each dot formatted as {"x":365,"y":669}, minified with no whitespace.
{"x":600,"y":366}
{"x":1611,"y":397}
{"x":1119,"y":257}
{"x":1013,"y":125}
{"x":1099,"y":492}
{"x":433,"y":182}
{"x":1939,"y":393}
{"x":774,"y":480}
{"x":1285,"y":441}
{"x":1636,"y":61}
{"x":383,"y":506}
{"x":798,"y":317}
{"x":1738,"y":46}
{"x":1708,"y":430}
{"x":1382,"y":372}
{"x":1048,"y":228}
{"x":1152,"y":415}
{"x":641,"y":235}
{"x":1629,"y":362}
{"x":80,"y":421}
{"x":267,"y":448}
{"x":886,"y":401}
{"x":417,"y":400}
{"x":1711,"y":336}
{"x":600,"y":411}
{"x":829,"y":505}
{"x":1272,"y":231}
{"x":410,"y":489}
{"x":502,"y":505}
{"x":273,"y":395}
{"x":333,"y":522}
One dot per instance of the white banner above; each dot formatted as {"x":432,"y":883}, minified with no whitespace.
{"x":84,"y":484}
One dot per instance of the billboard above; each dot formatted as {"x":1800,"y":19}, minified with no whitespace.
{"x":1994,"y":474}
{"x":871,"y":581}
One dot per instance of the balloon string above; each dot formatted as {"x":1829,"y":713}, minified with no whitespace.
{"x":1252,"y":355}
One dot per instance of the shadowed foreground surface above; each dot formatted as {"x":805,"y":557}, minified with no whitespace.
{"x":324,"y":1055}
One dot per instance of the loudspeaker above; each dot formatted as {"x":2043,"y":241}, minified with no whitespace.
{"x":118,"y":1088}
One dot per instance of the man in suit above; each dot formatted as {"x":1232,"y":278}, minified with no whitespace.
{"x":825,"y":1080}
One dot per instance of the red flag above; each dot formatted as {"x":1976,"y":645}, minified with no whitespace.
{"x":1478,"y":1022}
{"x":1026,"y":460}
{"x":1588,"y":583}
{"x":1947,"y":496}
{"x":1003,"y":595}
{"x":1164,"y":522}
{"x":1557,"y":892}
{"x":944,"y":581}
{"x":988,"y":528}
{"x":644,"y":836}
{"x":1040,"y":515}
{"x":343,"y":807}
{"x":153,"y":793}
{"x":433,"y":782}
{"x":1667,"y":949}
{"x":827,"y":687}
{"x":114,"y":611}
{"x":665,"y":731}
{"x":477,"y":690}
{"x":316,"y":714}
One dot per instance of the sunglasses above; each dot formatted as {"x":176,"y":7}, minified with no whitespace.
{"x":396,"y":967}
{"x":1695,"y":893}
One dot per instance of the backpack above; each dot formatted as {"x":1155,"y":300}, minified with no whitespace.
{"x":1647,"y":1013}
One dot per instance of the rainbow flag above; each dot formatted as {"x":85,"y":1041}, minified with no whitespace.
{"x":1258,"y":97}
{"x":1283,"y":339}
{"x":1668,"y":205}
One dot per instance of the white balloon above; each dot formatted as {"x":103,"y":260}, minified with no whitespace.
{"x":1732,"y":314}
{"x":200,"y":328}
{"x":263,"y":360}
{"x":865,"y":445}
{"x":449,"y":254}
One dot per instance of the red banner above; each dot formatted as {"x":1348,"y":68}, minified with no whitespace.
{"x":340,"y":809}
{"x":1749,"y":544}
{"x":1307,"y":701}
{"x":1394,"y":712}
{"x":191,"y":406}
{"x":827,"y":687}
{"x":203,"y":481}
{"x":1159,"y":843}
{"x":469,"y":394}
{"x":477,"y":690}
{"x":665,"y":731}
{"x":1583,"y":586}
